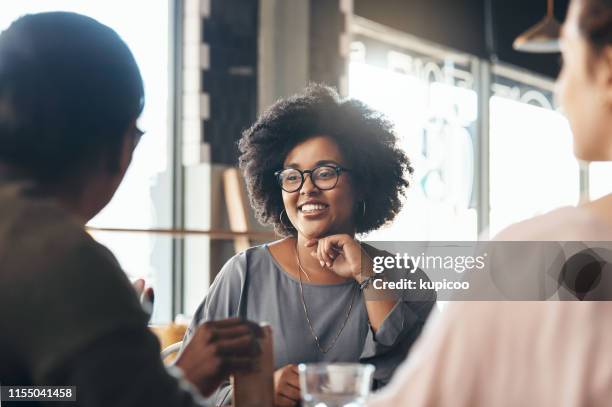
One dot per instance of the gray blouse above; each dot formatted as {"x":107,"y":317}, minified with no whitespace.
{"x":253,"y":285}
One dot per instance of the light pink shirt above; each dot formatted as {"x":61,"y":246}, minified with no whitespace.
{"x":490,"y":354}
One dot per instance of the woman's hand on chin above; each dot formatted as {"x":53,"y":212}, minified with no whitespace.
{"x":339,"y":253}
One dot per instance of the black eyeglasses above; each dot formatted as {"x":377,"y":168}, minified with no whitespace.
{"x":324,"y":177}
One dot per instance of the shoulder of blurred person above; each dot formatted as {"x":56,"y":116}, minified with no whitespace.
{"x":34,"y":229}
{"x":563,"y":224}
{"x":68,"y":290}
{"x":511,"y":345}
{"x":68,"y":313}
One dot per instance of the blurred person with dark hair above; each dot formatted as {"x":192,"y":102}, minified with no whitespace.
{"x":70,"y":94}
{"x":556,"y":353}
{"x":321,"y":170}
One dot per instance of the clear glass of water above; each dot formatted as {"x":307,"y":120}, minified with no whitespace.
{"x":335,"y":384}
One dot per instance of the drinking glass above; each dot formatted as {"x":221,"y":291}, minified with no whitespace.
{"x":335,"y":384}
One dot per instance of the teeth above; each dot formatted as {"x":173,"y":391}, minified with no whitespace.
{"x":312,"y":207}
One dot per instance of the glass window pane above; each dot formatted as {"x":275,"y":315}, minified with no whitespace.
{"x":144,"y":199}
{"x":600,"y":179}
{"x":433,"y":105}
{"x":532,"y":166}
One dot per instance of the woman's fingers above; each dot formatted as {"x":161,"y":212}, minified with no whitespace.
{"x":320,"y":254}
{"x":329,"y":254}
{"x":291,"y":392}
{"x":245,"y":345}
{"x":330,"y":248}
{"x":291,"y":387}
{"x":284,"y":401}
{"x":286,"y":386}
{"x":326,"y":250}
{"x":139,"y":286}
{"x":315,"y":245}
{"x":234,"y":322}
{"x":294,"y":377}
{"x":225,"y":322}
{"x":231,"y":332}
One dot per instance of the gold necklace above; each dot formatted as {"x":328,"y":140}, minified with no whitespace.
{"x":312,"y":332}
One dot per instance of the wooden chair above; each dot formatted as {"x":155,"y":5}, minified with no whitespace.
{"x":170,"y":338}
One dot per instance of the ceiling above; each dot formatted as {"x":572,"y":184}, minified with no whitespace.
{"x":485,"y":28}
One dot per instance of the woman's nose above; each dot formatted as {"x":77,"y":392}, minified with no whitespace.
{"x":308,"y":187}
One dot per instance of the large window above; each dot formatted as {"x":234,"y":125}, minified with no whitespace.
{"x":532,"y":166}
{"x":430,"y":98}
{"x":477,"y":170}
{"x":145,"y":197}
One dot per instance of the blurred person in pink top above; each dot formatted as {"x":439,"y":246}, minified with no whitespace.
{"x":533,"y":353}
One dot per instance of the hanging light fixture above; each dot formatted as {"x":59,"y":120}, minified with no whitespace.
{"x":542,"y":37}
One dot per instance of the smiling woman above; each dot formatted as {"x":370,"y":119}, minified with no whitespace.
{"x":321,"y":170}
{"x":360,"y":135}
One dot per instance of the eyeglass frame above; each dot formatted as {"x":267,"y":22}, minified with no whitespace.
{"x":338,"y":168}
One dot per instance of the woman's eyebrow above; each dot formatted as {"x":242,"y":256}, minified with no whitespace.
{"x":320,"y":162}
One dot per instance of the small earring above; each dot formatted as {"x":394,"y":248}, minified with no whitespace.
{"x":364,"y":209}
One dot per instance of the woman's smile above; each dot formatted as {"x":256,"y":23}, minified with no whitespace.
{"x":313,"y":209}
{"x":314,"y":213}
